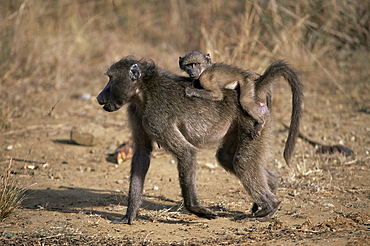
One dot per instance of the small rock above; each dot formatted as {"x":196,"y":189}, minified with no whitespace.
{"x":292,"y":193}
{"x":58,"y":175}
{"x":85,"y":96}
{"x":328,"y":204}
{"x":96,"y":168}
{"x":10,"y":147}
{"x":210,"y":165}
{"x":89,"y":135}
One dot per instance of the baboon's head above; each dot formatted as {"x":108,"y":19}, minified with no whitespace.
{"x":195,"y":63}
{"x":122,"y":85}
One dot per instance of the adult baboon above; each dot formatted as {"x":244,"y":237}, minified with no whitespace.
{"x":159,"y":111}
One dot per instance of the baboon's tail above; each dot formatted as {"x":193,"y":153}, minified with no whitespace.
{"x":264,"y":84}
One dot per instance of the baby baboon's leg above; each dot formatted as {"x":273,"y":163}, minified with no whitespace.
{"x":248,"y":102}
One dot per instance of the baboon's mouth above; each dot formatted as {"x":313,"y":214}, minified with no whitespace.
{"x":111,"y":107}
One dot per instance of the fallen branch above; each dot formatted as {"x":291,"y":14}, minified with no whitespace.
{"x":24,"y":160}
{"x":325,"y":149}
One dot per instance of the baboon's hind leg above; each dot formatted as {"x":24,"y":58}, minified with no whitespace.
{"x":266,"y":183}
{"x":273,"y":183}
{"x":260,"y":182}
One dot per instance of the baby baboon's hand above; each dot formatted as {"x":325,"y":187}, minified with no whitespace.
{"x":188,"y":92}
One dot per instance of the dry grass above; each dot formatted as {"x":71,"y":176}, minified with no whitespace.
{"x":165,"y":214}
{"x":48,"y":38}
{"x":11,"y":193}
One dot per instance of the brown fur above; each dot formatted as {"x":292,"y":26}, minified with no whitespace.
{"x":194,"y":63}
{"x":263,"y":89}
{"x":213,"y":77}
{"x":158,"y":111}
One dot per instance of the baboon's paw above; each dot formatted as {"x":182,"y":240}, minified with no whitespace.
{"x":124,"y":220}
{"x":251,"y":217}
{"x":263,"y":214}
{"x":202,"y":212}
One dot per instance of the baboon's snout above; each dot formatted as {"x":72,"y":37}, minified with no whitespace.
{"x":102,"y":99}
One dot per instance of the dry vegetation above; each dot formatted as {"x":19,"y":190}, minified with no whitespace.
{"x":51,"y":52}
{"x":11,"y":193}
{"x":48,"y":38}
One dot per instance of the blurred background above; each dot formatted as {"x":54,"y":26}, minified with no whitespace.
{"x":54,"y":51}
{"x":58,"y":40}
{"x":53,"y":55}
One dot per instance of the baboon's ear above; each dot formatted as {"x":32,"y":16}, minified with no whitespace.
{"x":134,"y":72}
{"x":208,"y":57}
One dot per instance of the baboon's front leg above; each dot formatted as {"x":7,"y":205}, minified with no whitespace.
{"x":139,"y":168}
{"x":187,"y":177}
{"x":139,"y":165}
{"x":186,"y":153}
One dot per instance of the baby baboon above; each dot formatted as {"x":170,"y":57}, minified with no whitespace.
{"x":158,"y":111}
{"x":213,"y":77}
{"x":263,"y":88}
{"x":194,"y":63}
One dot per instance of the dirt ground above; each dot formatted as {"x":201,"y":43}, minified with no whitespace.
{"x":76,"y":191}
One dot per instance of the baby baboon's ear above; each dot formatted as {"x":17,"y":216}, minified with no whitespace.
{"x":134,"y":72}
